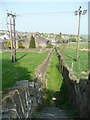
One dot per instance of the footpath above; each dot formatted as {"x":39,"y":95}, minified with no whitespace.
{"x":51,"y":113}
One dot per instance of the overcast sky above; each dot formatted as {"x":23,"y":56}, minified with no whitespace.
{"x":46,"y":17}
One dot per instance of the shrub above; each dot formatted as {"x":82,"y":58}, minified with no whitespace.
{"x":8,"y":44}
{"x":72,"y":39}
{"x":49,"y":46}
{"x":20,"y":45}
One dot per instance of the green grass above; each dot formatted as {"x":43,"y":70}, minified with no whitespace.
{"x":54,"y":79}
{"x":69,"y":53}
{"x":23,"y":69}
{"x":82,"y":62}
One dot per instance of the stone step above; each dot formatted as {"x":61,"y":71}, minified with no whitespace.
{"x":51,"y":113}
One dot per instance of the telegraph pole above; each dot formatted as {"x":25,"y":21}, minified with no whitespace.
{"x":79,"y":12}
{"x":14,"y":38}
{"x":12,"y":35}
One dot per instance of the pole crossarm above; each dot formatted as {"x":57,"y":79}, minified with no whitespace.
{"x":10,"y":14}
{"x":79,"y":11}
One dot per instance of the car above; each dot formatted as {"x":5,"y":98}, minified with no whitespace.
{"x":65,"y":41}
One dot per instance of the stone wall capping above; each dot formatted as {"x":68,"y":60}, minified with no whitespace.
{"x":22,"y":82}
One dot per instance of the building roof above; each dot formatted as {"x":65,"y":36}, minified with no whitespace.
{"x":41,"y":39}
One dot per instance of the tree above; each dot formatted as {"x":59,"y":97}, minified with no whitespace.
{"x":32,"y":42}
{"x":57,"y":37}
{"x":19,"y":36}
{"x":60,"y":36}
{"x":9,"y":44}
{"x":72,"y":39}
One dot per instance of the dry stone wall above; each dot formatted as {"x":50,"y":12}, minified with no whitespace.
{"x":78,"y":91}
{"x":24,"y":98}
{"x":20,"y":101}
{"x":42,"y":69}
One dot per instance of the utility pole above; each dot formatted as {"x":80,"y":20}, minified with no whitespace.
{"x":12,"y":35}
{"x":79,"y":12}
{"x":14,"y":38}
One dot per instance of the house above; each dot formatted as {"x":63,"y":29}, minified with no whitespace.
{"x":4,"y":35}
{"x":37,"y":34}
{"x":65,"y":37}
{"x":53,"y":42}
{"x":51,"y":35}
{"x":26,"y":43}
{"x":41,"y":42}
{"x":24,"y":38}
{"x":3,"y":44}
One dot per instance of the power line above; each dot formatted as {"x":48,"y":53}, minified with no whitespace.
{"x":46,"y":13}
{"x":2,"y":22}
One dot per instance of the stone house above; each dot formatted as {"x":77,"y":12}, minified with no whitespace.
{"x":24,"y":42}
{"x":41,"y":42}
{"x":3,"y":44}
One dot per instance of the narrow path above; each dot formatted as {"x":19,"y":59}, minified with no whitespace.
{"x":55,"y":81}
{"x":49,"y":113}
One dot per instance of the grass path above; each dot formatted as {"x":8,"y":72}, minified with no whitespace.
{"x":54,"y":83}
{"x":54,"y":78}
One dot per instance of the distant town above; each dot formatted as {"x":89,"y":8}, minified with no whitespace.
{"x":44,"y":65}
{"x":42,"y":40}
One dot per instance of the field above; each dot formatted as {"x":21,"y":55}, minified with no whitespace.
{"x":23,"y":69}
{"x":68,"y":51}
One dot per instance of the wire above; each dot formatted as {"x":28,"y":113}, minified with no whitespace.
{"x":46,"y":13}
{"x":2,"y":22}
